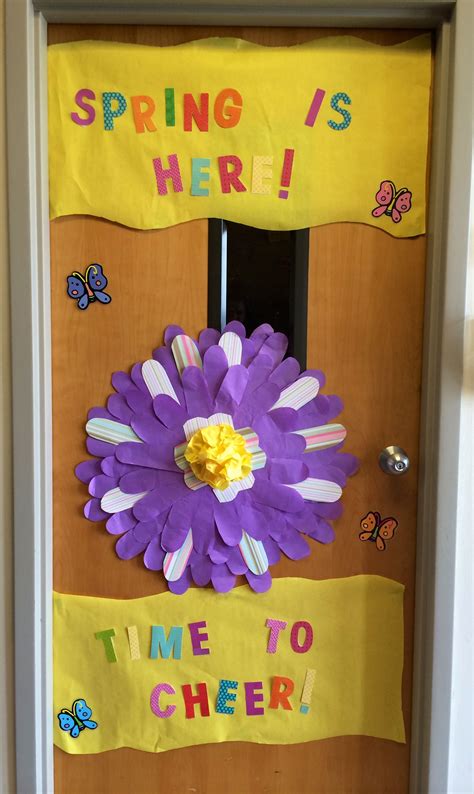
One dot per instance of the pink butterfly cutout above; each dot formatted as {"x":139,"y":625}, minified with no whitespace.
{"x":392,"y":202}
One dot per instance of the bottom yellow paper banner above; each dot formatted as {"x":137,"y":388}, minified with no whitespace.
{"x":307,"y":660}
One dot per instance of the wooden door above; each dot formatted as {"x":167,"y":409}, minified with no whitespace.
{"x":365,"y":318}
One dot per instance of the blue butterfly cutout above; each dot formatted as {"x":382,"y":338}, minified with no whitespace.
{"x":77,"y":719}
{"x":88,"y":288}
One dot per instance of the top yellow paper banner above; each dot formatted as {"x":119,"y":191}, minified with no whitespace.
{"x":274,"y":137}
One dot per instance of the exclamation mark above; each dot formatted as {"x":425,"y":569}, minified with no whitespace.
{"x":307,"y":691}
{"x":286,"y":172}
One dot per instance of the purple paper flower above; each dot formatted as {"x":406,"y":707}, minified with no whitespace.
{"x":214,"y":457}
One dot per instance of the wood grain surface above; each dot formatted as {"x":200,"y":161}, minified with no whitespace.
{"x":365,"y":321}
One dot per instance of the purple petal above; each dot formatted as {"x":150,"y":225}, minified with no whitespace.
{"x":263,"y":330}
{"x":204,"y":531}
{"x":286,"y":470}
{"x":99,"y":485}
{"x":219,"y":552}
{"x":237,"y":328}
{"x":171,"y":331}
{"x":165,"y":357}
{"x":88,"y":469}
{"x":222,"y":579}
{"x":113,"y":468}
{"x":323,"y":472}
{"x":154,"y":555}
{"x":232,"y":389}
{"x":101,"y":449}
{"x":294,"y":545}
{"x":147,"y":455}
{"x":285,"y":419}
{"x":181,"y":585}
{"x":201,"y":569}
{"x":139,"y":403}
{"x":275,"y":346}
{"x":257,"y":404}
{"x":323,"y":533}
{"x":215,"y":366}
{"x":99,"y":413}
{"x":121,"y":381}
{"x":137,"y":378}
{"x":228,"y":523}
{"x":196,"y":393}
{"x":93,"y":510}
{"x":178,"y":523}
{"x":169,"y":412}
{"x":121,"y":522}
{"x":260,"y":584}
{"x":139,"y":480}
{"x":145,"y":531}
{"x":286,"y":372}
{"x":118,"y":407}
{"x":259,"y":372}
{"x":273,"y":550}
{"x":127,"y":546}
{"x":279,"y":496}
{"x":207,"y":338}
{"x":150,"y":506}
{"x":255,"y":520}
{"x":275,"y":443}
{"x":236,"y":562}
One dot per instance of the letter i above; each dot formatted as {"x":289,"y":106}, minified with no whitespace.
{"x":307,"y":691}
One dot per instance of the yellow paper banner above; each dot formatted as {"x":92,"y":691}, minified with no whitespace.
{"x":274,"y":137}
{"x":339,"y":641}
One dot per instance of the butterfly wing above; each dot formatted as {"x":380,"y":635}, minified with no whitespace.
{"x":402,"y":204}
{"x":369,"y":522}
{"x":76,"y":287}
{"x":81,"y":709}
{"x":365,"y":535}
{"x":383,"y":197}
{"x":380,"y":543}
{"x":66,"y":721}
{"x":75,"y":731}
{"x":387,"y":528}
{"x":102,"y":297}
{"x":90,"y":724}
{"x":95,"y":277}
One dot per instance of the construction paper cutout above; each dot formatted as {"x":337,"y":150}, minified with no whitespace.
{"x":377,"y":529}
{"x":155,"y":701}
{"x":224,"y":696}
{"x":341,"y":96}
{"x":162,"y":646}
{"x":308,"y":636}
{"x":200,"y":699}
{"x":107,"y":638}
{"x":199,"y":175}
{"x":282,"y":690}
{"x":77,"y":719}
{"x":134,"y":643}
{"x":198,"y":637}
{"x":253,"y":696}
{"x":87,"y":288}
{"x":392,"y":202}
{"x":190,"y":484}
{"x":358,"y":626}
{"x":262,"y":173}
{"x":306,"y":695}
{"x":275,"y":627}
{"x":327,"y":125}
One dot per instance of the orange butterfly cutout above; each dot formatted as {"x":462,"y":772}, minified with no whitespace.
{"x":377,"y":530}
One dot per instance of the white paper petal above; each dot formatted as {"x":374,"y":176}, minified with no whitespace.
{"x":229,"y":494}
{"x":299,"y":393}
{"x":185,"y":352}
{"x":157,"y":380}
{"x":232,"y":347}
{"x":323,"y":436}
{"x":115,"y":501}
{"x":175,"y":562}
{"x":254,"y":554}
{"x":259,"y":457}
{"x":110,"y":431}
{"x":314,"y":490}
{"x":193,"y":425}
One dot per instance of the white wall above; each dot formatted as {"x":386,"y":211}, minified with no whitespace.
{"x":6,"y":615}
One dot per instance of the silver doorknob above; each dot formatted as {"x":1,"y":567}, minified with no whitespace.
{"x":394,"y":460}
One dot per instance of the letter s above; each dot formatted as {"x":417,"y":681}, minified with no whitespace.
{"x":82,"y":94}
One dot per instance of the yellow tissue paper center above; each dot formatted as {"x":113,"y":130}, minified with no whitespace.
{"x":218,"y":456}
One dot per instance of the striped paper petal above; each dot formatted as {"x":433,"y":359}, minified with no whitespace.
{"x":259,"y":458}
{"x":192,"y":481}
{"x":193,"y":425}
{"x":115,"y":501}
{"x":232,"y":347}
{"x":298,"y":394}
{"x":175,"y":562}
{"x":323,"y":436}
{"x":185,"y":352}
{"x":179,"y":458}
{"x":109,"y":431}
{"x":254,"y":554}
{"x":314,"y":490}
{"x":229,"y":494}
{"x":157,"y":379}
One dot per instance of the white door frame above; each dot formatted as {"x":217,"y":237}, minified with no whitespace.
{"x":26,"y":26}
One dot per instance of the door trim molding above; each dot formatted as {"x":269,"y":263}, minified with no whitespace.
{"x":26,"y":27}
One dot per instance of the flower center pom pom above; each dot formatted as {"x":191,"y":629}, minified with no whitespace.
{"x":218,"y":456}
